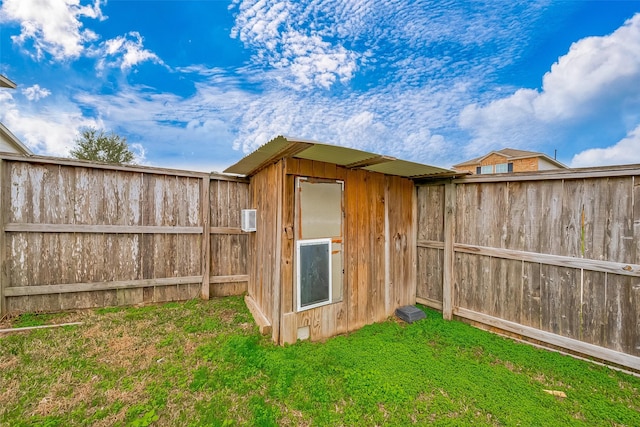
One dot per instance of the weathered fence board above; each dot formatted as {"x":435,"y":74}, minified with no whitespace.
{"x":429,"y":285}
{"x":559,"y":254}
{"x":228,"y":244}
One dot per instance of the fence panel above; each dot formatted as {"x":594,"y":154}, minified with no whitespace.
{"x":554,"y":258}
{"x":430,"y":240}
{"x":79,"y":235}
{"x":229,"y":245}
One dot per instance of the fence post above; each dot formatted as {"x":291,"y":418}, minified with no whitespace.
{"x":3,"y":243}
{"x":448,"y":277}
{"x":206,"y":236}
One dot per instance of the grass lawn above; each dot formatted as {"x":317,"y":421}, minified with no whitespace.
{"x":204,"y":363}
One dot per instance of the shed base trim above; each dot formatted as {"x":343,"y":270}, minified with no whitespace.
{"x":260,"y":319}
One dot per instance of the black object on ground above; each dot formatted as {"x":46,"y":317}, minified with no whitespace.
{"x":410,"y":313}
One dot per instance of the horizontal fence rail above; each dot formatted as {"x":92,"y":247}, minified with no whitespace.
{"x":557,"y":260}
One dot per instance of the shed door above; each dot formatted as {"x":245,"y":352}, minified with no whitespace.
{"x":319,"y":219}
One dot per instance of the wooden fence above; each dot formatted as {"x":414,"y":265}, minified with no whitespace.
{"x":554,"y":257}
{"x":78,"y":234}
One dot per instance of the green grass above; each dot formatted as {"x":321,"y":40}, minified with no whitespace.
{"x":204,"y":363}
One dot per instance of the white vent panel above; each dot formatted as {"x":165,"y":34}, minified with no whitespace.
{"x":248,"y":220}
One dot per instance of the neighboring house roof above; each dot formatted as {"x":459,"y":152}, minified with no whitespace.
{"x":282,"y":147}
{"x":511,"y":154}
{"x":9,"y":140}
{"x":5,"y":82}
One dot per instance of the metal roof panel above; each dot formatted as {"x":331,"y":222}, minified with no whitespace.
{"x":260,"y":157}
{"x":408,"y":169}
{"x":338,"y":155}
{"x":281,"y":147}
{"x":6,"y":82}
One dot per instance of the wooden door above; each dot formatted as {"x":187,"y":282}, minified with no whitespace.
{"x":319,"y":234}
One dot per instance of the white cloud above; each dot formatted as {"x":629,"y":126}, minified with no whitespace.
{"x":189,"y":133}
{"x":139,"y":153}
{"x":373,"y":121}
{"x":35,"y":92}
{"x":284,"y":40}
{"x":625,"y":151}
{"x":595,"y":69}
{"x":316,"y":43}
{"x":53,"y":27}
{"x":313,"y":62}
{"x":407,"y":95}
{"x":124,"y":52}
{"x":598,"y":78}
{"x":203,"y":128}
{"x":48,"y":132}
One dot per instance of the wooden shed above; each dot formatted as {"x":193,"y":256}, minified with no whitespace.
{"x":334,"y":246}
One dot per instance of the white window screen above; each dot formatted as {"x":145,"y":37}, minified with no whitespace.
{"x":314,"y":273}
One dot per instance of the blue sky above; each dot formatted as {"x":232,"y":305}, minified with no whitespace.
{"x":198,"y":84}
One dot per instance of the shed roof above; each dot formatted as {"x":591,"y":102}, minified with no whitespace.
{"x":281,"y":147}
{"x":5,"y":82}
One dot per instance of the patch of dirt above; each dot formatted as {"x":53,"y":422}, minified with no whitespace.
{"x":245,"y":326}
{"x":579,"y":416}
{"x":93,"y":332}
{"x":123,"y":351}
{"x":540,"y":377}
{"x":189,"y":347}
{"x":135,"y":395}
{"x":8,"y":392}
{"x":8,"y":362}
{"x":295,"y":418}
{"x":64,"y":396}
{"x":227,"y":316}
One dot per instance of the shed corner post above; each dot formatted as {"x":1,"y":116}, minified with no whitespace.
{"x":448,"y":279}
{"x":276,"y":316}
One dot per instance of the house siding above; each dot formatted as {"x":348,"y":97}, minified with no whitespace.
{"x":526,"y":165}
{"x":7,"y":147}
{"x":529,"y":164}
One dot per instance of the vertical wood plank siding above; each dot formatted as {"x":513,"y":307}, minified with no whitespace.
{"x":262,"y":272}
{"x":78,"y":235}
{"x":561,"y":256}
{"x":379,"y":250}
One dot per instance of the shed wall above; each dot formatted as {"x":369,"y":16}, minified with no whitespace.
{"x":379,"y":251}
{"x":265,"y":257}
